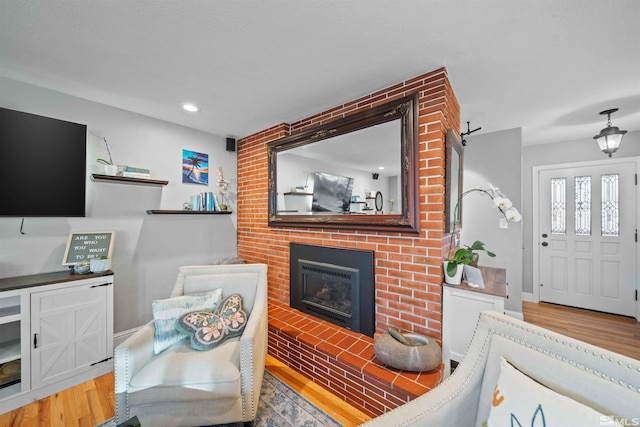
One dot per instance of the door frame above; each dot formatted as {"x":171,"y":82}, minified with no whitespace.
{"x":536,"y":229}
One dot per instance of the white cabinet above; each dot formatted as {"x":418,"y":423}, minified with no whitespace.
{"x":11,"y":345}
{"x":59,"y":327}
{"x":461,"y":307}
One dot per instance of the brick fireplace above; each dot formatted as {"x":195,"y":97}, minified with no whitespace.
{"x":408,"y":272}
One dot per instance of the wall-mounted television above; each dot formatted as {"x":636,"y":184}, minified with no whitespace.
{"x":331,"y":193}
{"x":42,"y":166}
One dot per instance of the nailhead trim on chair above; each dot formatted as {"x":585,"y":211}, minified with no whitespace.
{"x":244,"y":380}
{"x":594,"y":354}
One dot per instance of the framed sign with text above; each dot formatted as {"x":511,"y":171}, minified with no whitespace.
{"x":87,"y":245}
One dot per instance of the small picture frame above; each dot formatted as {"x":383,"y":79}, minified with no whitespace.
{"x":87,"y":245}
{"x":195,"y":167}
{"x":454,"y":157}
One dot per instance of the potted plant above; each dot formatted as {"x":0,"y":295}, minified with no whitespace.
{"x":109,"y":167}
{"x":466,"y":255}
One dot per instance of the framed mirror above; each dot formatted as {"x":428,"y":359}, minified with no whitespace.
{"x":329,"y":176}
{"x":454,"y":156}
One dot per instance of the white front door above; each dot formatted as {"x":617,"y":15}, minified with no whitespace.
{"x":587,"y":237}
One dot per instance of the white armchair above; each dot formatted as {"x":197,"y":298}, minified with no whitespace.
{"x":185,"y":387}
{"x":600,"y":379}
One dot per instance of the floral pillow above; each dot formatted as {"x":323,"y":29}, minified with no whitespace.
{"x":520,"y":401}
{"x":167,"y":311}
{"x":207,"y":330}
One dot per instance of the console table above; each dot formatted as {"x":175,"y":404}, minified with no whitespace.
{"x":56,"y":331}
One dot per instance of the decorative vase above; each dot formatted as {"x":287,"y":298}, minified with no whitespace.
{"x":419,"y":353}
{"x":111,"y":170}
{"x":82,"y":267}
{"x":98,"y":265}
{"x":456,"y":279}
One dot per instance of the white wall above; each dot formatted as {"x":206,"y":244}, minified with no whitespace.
{"x":495,"y":158}
{"x":148,"y":248}
{"x":580,"y":150}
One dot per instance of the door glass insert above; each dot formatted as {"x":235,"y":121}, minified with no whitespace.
{"x":583,"y":205}
{"x":610,"y":205}
{"x":558,"y":205}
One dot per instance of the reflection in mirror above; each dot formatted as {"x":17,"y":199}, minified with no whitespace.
{"x":335,"y":173}
{"x":342,"y":174}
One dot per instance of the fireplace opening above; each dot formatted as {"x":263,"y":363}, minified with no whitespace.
{"x":334,"y":284}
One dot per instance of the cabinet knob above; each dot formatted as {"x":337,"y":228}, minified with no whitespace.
{"x":545,"y":244}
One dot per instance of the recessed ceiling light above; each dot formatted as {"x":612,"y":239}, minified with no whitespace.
{"x":381,"y":168}
{"x":190,"y":108}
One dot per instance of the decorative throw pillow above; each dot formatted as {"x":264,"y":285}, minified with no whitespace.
{"x":520,"y":401}
{"x":167,"y":311}
{"x":208,"y":329}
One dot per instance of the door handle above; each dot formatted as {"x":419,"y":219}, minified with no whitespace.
{"x":545,"y":244}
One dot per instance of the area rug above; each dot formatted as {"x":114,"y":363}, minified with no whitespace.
{"x":280,"y":406}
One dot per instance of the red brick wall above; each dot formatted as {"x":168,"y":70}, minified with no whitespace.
{"x":408,"y":270}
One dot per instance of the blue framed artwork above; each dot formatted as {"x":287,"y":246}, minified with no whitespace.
{"x":195,"y":167}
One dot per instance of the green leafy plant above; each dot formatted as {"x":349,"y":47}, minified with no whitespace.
{"x":465,"y":255}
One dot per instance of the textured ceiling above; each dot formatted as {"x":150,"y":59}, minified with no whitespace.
{"x":546,"y":66}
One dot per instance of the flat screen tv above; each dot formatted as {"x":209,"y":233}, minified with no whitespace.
{"x":331,"y":193}
{"x":42,"y":166}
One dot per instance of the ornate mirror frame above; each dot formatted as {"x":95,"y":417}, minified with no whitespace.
{"x":405,"y":110}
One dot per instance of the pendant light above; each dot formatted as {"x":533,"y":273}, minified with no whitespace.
{"x":610,"y":137}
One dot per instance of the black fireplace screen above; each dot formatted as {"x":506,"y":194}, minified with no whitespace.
{"x":329,"y":287}
{"x":339,"y":291}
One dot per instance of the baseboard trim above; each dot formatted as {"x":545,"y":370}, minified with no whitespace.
{"x":528,"y":297}
{"x":515,"y":314}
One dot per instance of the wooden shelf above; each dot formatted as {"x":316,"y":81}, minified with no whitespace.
{"x":183,"y":212}
{"x":9,"y":351}
{"x":297,"y":193}
{"x":127,"y":180}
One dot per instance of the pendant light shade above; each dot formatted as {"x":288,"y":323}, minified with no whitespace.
{"x":609,"y":138}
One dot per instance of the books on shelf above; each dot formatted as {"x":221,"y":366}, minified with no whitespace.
{"x":206,"y":201}
{"x":135,"y":172}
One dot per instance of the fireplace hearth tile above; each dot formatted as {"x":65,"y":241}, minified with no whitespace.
{"x":342,"y":361}
{"x":359,"y":348}
{"x":339,"y":337}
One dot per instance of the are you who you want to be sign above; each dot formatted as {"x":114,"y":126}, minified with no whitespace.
{"x":86,"y":246}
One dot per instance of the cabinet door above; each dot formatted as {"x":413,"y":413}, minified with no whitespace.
{"x":68,"y":332}
{"x":460,"y":312}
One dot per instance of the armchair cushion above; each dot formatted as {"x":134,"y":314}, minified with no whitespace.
{"x":181,"y":374}
{"x":207,"y":329}
{"x":167,"y":311}
{"x":520,"y":400}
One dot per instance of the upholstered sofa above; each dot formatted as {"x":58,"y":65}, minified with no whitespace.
{"x":182,"y":386}
{"x":601,"y":380}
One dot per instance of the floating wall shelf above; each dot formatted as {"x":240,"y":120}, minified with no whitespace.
{"x":127,"y":180}
{"x":182,"y":212}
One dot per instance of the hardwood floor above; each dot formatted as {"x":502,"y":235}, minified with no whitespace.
{"x":616,"y":333}
{"x":84,"y":405}
{"x":90,"y":403}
